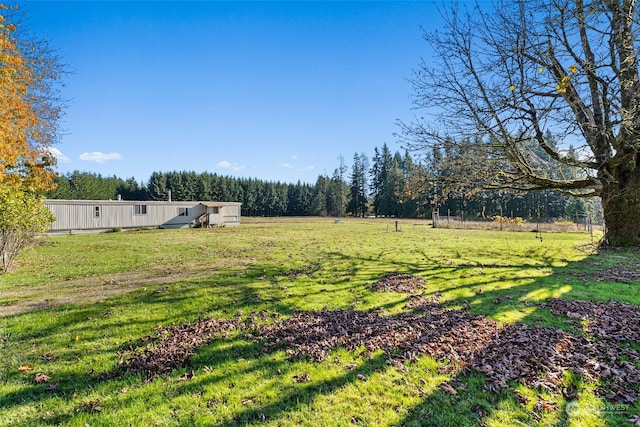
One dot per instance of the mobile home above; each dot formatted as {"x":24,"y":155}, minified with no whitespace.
{"x":102,"y":215}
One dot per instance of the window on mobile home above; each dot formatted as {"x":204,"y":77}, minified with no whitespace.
{"x":96,"y":211}
{"x":139,"y":209}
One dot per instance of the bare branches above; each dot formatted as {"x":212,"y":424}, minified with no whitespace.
{"x":509,"y":77}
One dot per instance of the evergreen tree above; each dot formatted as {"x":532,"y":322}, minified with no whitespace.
{"x":203,"y":187}
{"x":407,"y":197}
{"x":357,"y":204}
{"x":62,"y":189}
{"x":174,"y":183}
{"x":157,"y":186}
{"x":376,"y":184}
{"x":304,"y":200}
{"x":335,"y":195}
{"x":384,"y":200}
{"x":250,"y":196}
{"x":130,"y":190}
{"x":319,"y":200}
{"x":236,"y":192}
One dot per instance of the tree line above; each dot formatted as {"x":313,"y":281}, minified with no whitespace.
{"x":391,"y":184}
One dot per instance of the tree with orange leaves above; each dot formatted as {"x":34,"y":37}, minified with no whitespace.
{"x":30,"y":109}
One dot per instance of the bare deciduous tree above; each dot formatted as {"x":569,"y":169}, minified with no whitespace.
{"x":505,"y":79}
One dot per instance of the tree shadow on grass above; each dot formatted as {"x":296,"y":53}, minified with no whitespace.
{"x":473,"y":404}
{"x":566,"y":403}
{"x":521,"y":303}
{"x":79,"y":326}
{"x":233,"y":293}
{"x":469,"y":407}
{"x":296,"y":397}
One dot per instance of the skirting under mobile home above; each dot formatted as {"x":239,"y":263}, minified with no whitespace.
{"x":101,"y":215}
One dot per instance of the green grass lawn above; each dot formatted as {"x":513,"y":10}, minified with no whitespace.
{"x":72,"y":304}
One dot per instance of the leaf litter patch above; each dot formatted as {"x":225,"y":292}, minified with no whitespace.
{"x":613,"y":320}
{"x":397,"y":282}
{"x":532,"y":355}
{"x":628,"y":273}
{"x":305,"y":270}
{"x":535,"y":356}
{"x":172,"y":346}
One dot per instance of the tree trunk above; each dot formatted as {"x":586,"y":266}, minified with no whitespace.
{"x":621,"y":205}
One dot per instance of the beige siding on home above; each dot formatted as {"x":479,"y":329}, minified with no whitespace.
{"x":220,"y":213}
{"x":231,"y":214}
{"x":81,"y":214}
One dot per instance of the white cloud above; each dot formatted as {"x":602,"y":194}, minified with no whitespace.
{"x":228,"y":165}
{"x":99,"y":157}
{"x":59,"y":155}
{"x":287,"y":166}
{"x":294,"y":157}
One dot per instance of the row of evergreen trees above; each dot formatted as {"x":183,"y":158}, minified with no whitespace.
{"x":391,"y":184}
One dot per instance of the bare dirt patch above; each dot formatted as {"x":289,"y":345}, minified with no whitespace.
{"x":396,"y":282}
{"x":28,"y":299}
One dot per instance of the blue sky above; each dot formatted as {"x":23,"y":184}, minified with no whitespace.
{"x":270,"y":90}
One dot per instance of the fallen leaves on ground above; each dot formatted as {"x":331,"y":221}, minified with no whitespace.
{"x":41,"y":378}
{"x":627,"y":273}
{"x":53,"y":387}
{"x":176,"y":344}
{"x":302,"y":378}
{"x":187,"y":376}
{"x":535,"y":356}
{"x":421,"y":303}
{"x":306,"y":270}
{"x":532,"y":355}
{"x":448,"y":388}
{"x":613,"y":320}
{"x":92,"y":405}
{"x":539,"y":357}
{"x":396,"y":282}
